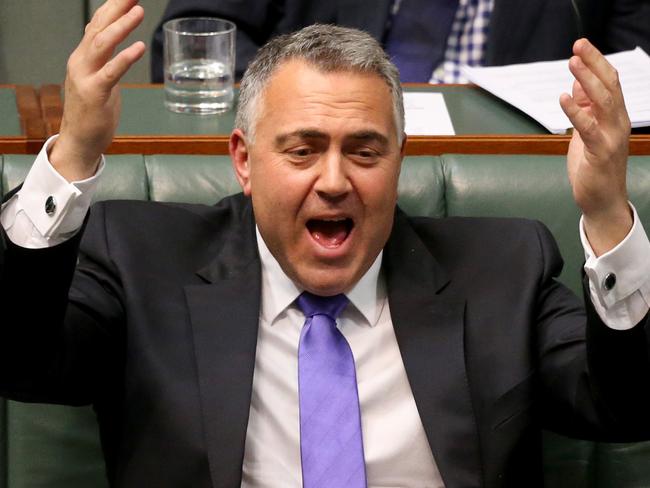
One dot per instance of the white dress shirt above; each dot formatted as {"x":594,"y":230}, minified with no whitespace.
{"x":396,"y":450}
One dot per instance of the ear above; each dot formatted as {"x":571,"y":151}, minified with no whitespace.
{"x":402,"y":150}
{"x":239,"y":155}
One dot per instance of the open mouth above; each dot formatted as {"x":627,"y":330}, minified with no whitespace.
{"x":330,"y":233}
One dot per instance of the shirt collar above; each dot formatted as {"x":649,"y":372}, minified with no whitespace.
{"x":279,"y":291}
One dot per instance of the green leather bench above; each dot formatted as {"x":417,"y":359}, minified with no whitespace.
{"x":57,"y":447}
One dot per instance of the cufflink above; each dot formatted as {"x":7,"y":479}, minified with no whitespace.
{"x":609,"y":281}
{"x":50,"y":205}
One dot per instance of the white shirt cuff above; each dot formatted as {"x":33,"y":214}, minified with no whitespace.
{"x":619,"y":280}
{"x":48,"y":208}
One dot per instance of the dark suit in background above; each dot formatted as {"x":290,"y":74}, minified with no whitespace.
{"x":160,"y":332}
{"x":520,"y":31}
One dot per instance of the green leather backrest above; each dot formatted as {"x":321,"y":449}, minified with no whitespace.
{"x":54,"y":446}
{"x":206,"y":179}
{"x":195,"y":179}
{"x":517,"y":186}
{"x":124,"y":176}
{"x":534,"y":187}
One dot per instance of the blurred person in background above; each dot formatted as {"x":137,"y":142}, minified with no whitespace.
{"x":429,"y":40}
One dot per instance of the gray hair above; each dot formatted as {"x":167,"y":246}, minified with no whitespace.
{"x":328,"y":48}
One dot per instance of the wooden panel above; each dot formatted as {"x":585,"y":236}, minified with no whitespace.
{"x":28,"y":135}
{"x":52,"y":108}
{"x":29,"y":110}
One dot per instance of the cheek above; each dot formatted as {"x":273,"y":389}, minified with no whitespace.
{"x":267,"y":180}
{"x":278,"y":196}
{"x":379,"y":197}
{"x":379,"y":192}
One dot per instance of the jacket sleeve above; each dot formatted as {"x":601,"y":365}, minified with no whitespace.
{"x":595,"y":380}
{"x":57,"y":345}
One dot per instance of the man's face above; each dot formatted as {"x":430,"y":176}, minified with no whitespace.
{"x":322,"y":173}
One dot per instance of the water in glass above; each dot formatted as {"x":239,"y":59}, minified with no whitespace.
{"x":198,"y":86}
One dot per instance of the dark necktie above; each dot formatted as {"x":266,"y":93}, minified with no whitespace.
{"x":417,"y":37}
{"x":331,"y":445}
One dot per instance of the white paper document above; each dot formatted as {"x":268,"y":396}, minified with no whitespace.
{"x":535,"y":88}
{"x":426,"y":115}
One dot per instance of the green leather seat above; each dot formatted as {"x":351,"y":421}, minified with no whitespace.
{"x":57,"y":447}
{"x":534,"y":187}
{"x":124,"y":177}
{"x":212,"y":178}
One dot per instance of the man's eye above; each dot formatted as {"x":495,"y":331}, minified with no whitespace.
{"x":365,"y":155}
{"x":301,"y":152}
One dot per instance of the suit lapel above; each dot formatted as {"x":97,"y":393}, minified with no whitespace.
{"x":430,"y":333}
{"x":355,"y":13}
{"x":224,"y":313}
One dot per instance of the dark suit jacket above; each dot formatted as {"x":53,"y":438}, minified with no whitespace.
{"x":520,"y":31}
{"x":159,"y":334}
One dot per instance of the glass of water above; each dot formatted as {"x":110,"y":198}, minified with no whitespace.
{"x":199,"y":57}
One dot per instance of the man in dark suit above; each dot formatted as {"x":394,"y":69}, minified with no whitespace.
{"x":536,"y":30}
{"x":181,"y":326}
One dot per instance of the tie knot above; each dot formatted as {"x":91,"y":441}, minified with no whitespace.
{"x":316,"y":305}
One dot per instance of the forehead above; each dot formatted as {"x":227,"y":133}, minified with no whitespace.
{"x":299,"y":94}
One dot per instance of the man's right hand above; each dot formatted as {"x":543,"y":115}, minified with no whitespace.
{"x":91,"y":109}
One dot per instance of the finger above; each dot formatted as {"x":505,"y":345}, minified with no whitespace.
{"x":590,"y":58}
{"x":105,"y":42}
{"x":597,"y":63}
{"x":102,"y":18}
{"x":582,"y":120}
{"x":112,"y":72}
{"x":579,"y":95}
{"x":589,"y":82}
{"x":108,"y":13}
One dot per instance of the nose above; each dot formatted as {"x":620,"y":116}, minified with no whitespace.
{"x":333,"y":180}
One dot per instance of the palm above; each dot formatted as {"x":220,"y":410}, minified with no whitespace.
{"x":92,"y":99}
{"x":597,"y":155}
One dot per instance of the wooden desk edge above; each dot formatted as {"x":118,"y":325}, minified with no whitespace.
{"x":416,"y":145}
{"x":20,"y":145}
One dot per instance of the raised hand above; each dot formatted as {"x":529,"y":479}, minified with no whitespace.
{"x":597,"y":157}
{"x":91,"y":108}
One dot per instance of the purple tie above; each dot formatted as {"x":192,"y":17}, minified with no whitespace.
{"x":331,"y":446}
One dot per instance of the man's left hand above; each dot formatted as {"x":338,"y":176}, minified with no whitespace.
{"x":597,"y":156}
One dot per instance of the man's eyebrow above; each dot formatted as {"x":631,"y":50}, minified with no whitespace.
{"x":369,"y":136}
{"x":360,"y":136}
{"x":300,"y":134}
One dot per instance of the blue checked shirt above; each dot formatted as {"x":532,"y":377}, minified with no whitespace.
{"x":466,"y":42}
